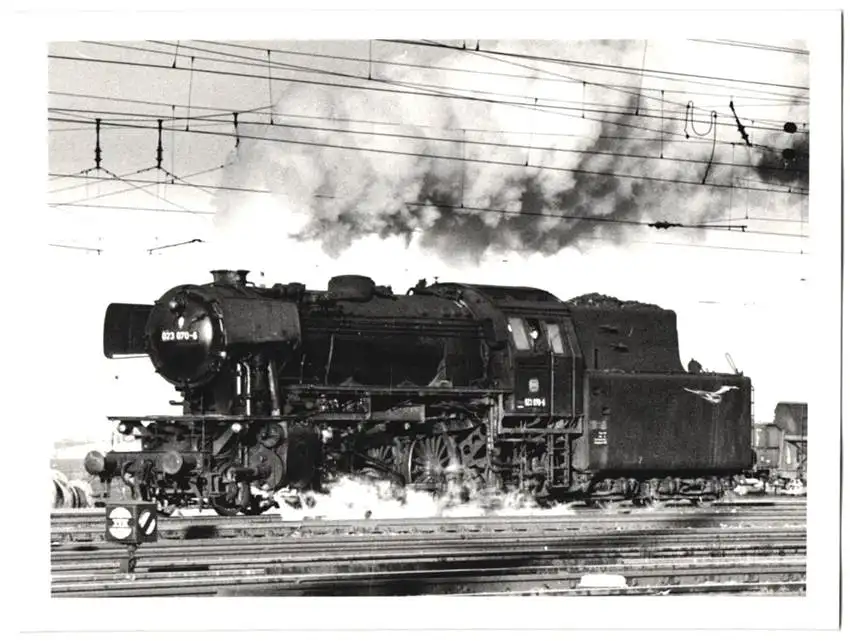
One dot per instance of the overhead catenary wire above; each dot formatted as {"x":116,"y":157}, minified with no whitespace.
{"x":140,"y":186}
{"x":199,"y":121}
{"x":485,"y":161}
{"x":642,"y":71}
{"x":552,"y":76}
{"x":752,"y":45}
{"x":126,"y":175}
{"x":172,"y":245}
{"x":260,"y":63}
{"x":111,"y":175}
{"x":196,"y":212}
{"x":661,"y":225}
{"x":599,"y":65}
{"x":647,"y":94}
{"x":435,"y":67}
{"x":160,"y":103}
{"x":127,"y":190}
{"x":96,"y":250}
{"x":423,"y":89}
{"x":762,"y":250}
{"x":392,"y":88}
{"x":707,"y":225}
{"x":263,"y":109}
{"x":143,"y":117}
{"x":592,"y":240}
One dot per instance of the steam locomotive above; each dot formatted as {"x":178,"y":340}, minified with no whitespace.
{"x":283,"y":388}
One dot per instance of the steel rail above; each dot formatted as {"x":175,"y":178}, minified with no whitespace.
{"x":759,"y":502}
{"x":335,"y":544}
{"x":294,"y":549}
{"x":505,"y":577}
{"x":434,"y":561}
{"x":92,"y":527}
{"x":721,"y":588}
{"x":562,"y":555}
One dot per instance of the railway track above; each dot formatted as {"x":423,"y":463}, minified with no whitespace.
{"x":88,"y":525}
{"x":742,"y":548}
{"x":757,"y":559}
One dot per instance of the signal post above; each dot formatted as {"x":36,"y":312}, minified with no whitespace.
{"x":131,"y":523}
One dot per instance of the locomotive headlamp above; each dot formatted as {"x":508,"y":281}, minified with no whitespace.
{"x":236,"y":428}
{"x":177,"y":304}
{"x":125,"y":428}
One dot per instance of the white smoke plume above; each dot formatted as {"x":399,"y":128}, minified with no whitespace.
{"x":363,"y":498}
{"x":332,"y":182}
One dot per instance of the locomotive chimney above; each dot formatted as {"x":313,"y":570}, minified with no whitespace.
{"x":233,"y":277}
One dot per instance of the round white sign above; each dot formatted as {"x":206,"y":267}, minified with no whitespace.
{"x":119,"y":523}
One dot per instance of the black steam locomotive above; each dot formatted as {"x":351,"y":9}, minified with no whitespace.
{"x":283,"y":388}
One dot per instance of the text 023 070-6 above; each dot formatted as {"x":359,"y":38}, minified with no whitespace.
{"x":169,"y":336}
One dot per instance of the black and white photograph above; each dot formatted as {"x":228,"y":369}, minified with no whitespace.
{"x":413,"y":308}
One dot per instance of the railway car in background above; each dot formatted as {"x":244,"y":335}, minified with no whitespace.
{"x":780,"y":447}
{"x":282,"y":389}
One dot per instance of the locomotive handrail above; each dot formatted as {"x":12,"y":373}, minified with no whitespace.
{"x":191,"y":418}
{"x":448,"y":391}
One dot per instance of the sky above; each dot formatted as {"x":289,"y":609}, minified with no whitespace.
{"x":426,"y":157}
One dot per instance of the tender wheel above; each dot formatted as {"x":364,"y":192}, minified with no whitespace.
{"x":430,"y":459}
{"x":647,"y":494}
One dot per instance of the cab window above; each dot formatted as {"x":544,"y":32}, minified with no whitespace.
{"x":556,"y":342}
{"x":535,"y":334}
{"x":517,"y":329}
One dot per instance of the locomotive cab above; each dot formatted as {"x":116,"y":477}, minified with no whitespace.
{"x":546,"y":359}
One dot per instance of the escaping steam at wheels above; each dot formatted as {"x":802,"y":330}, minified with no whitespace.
{"x":285,"y":388}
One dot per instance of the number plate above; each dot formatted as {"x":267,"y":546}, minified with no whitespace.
{"x":535,"y":402}
{"x":180,"y":336}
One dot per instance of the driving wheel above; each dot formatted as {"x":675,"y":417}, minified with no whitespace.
{"x":430,"y":459}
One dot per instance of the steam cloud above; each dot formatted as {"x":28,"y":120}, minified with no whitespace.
{"x":359,"y":498}
{"x":333,"y":180}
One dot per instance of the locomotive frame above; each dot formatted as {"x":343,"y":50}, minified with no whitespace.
{"x":482,"y":386}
